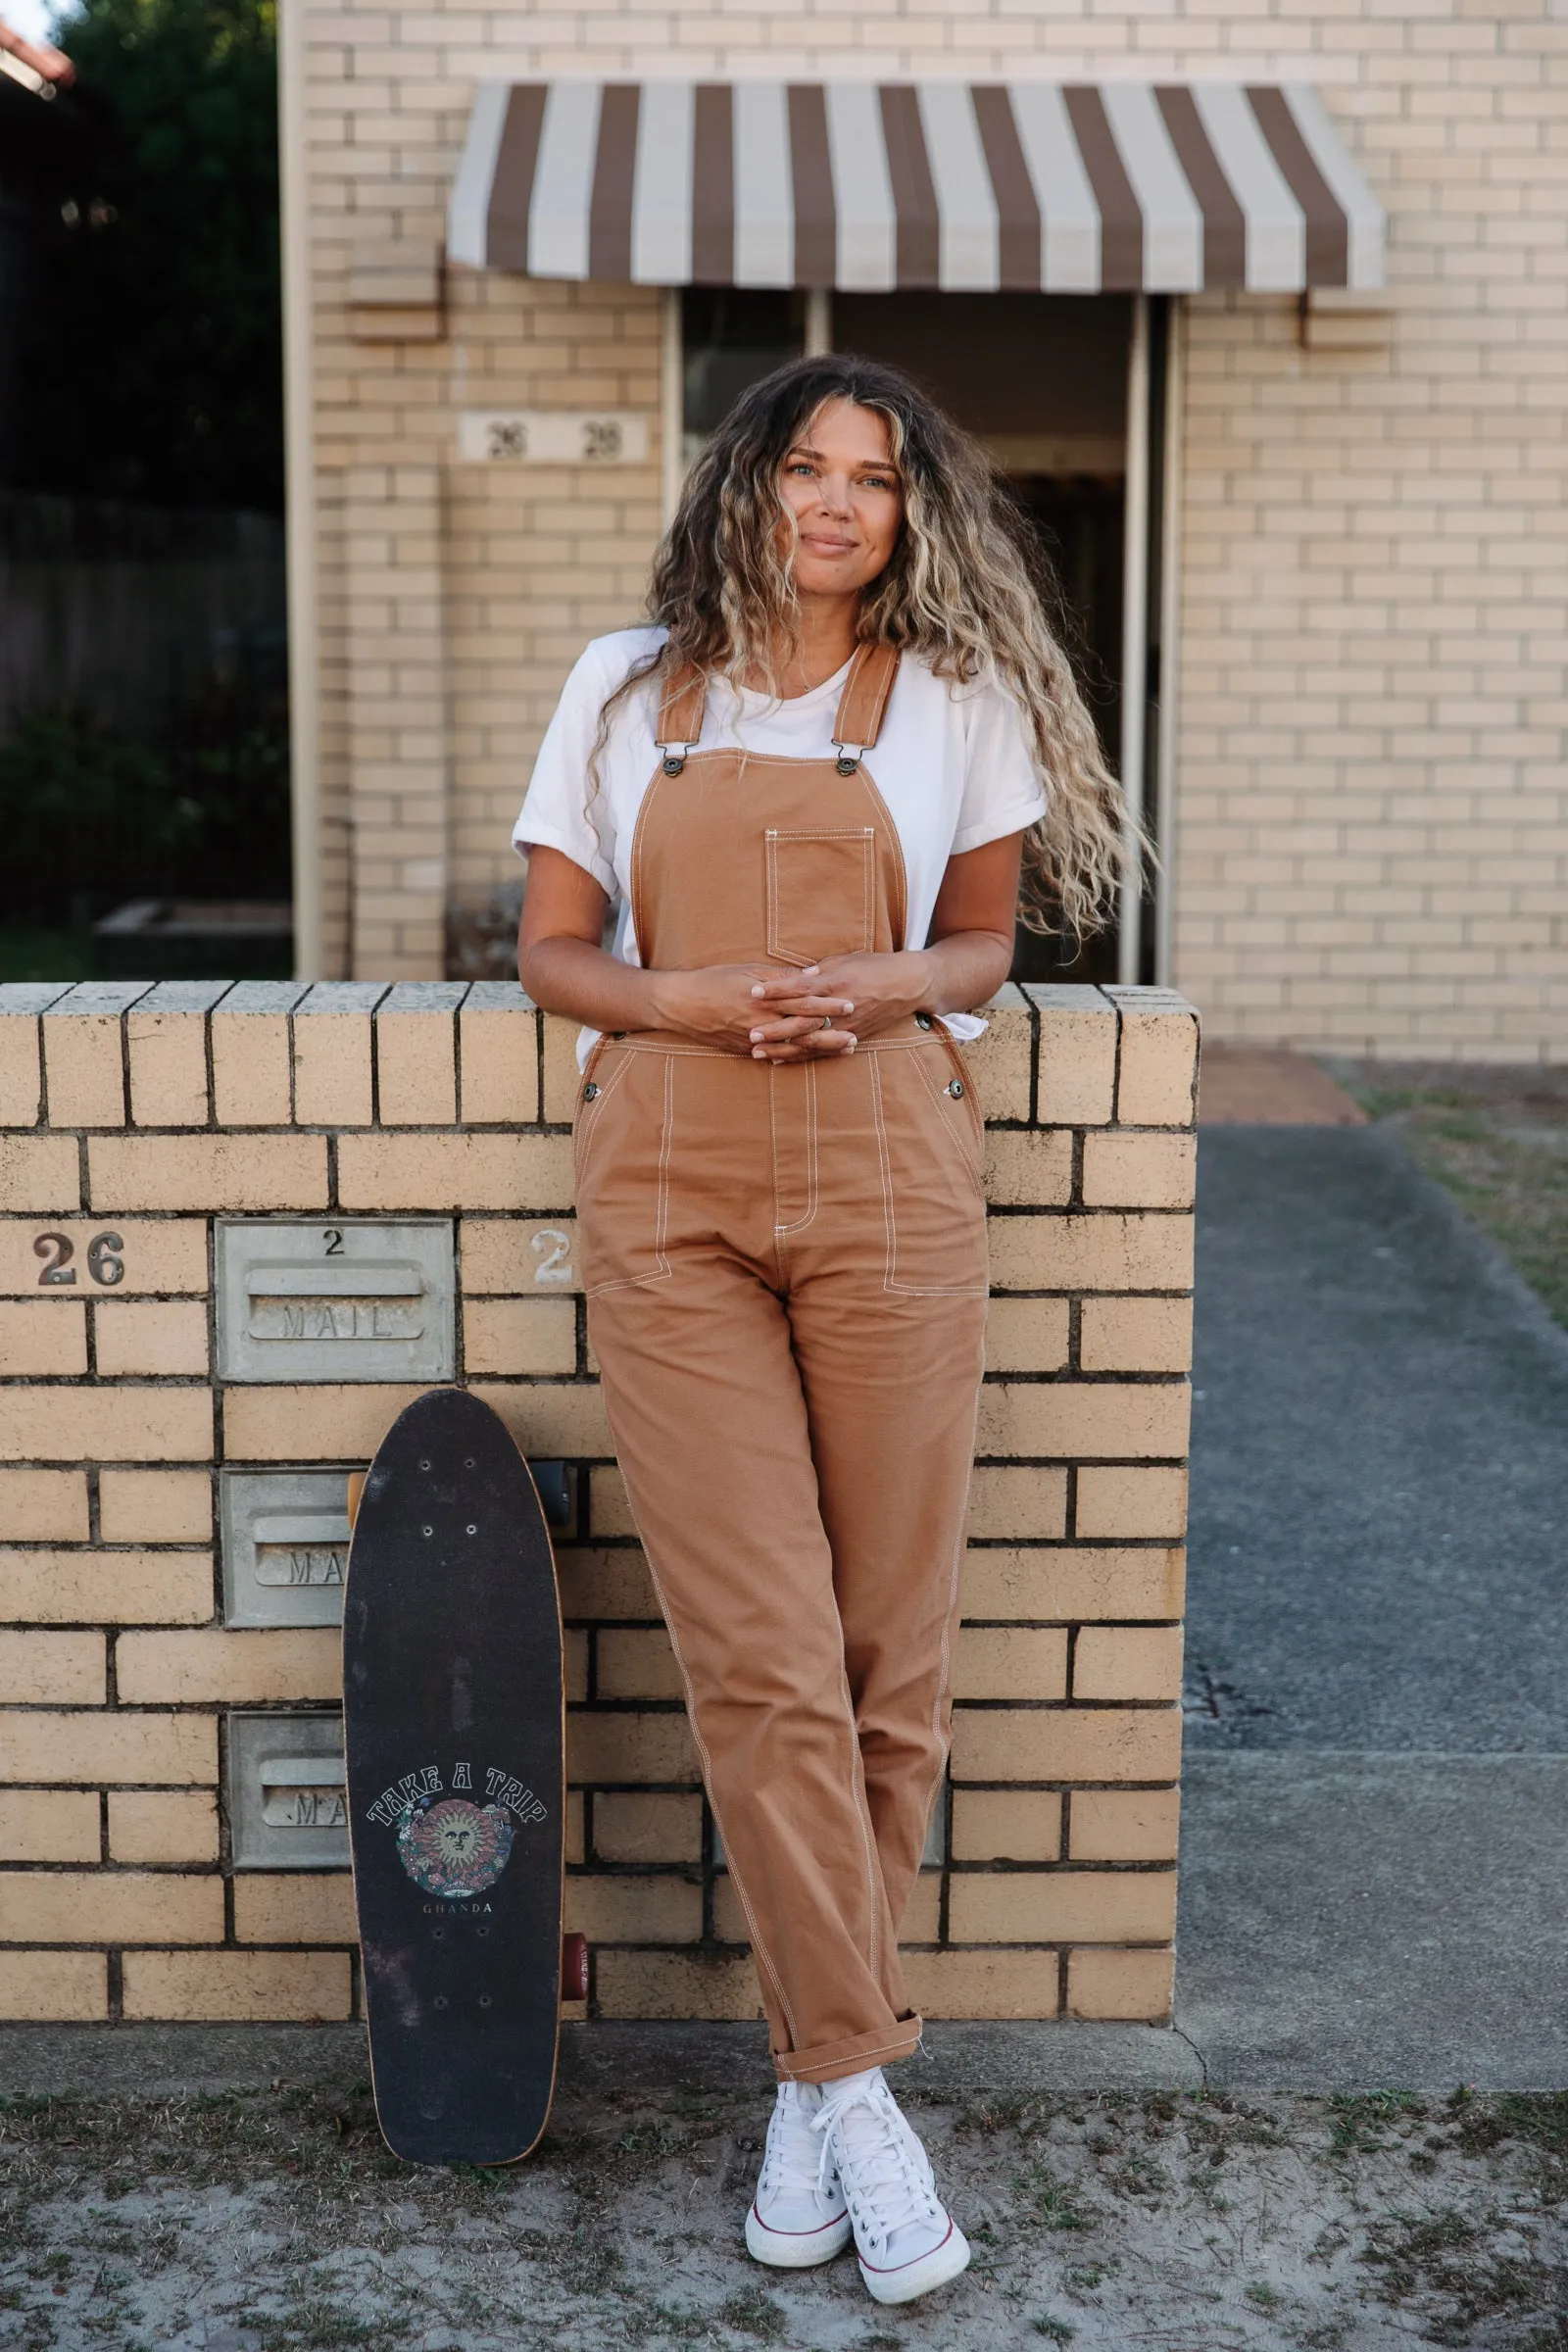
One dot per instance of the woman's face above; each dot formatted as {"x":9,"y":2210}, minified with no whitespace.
{"x":843,"y":488}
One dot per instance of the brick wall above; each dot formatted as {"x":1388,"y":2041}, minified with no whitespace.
{"x":1373,"y":825}
{"x":131,"y":1118}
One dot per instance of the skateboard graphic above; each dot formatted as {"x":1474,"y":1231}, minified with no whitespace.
{"x":452,"y":1718}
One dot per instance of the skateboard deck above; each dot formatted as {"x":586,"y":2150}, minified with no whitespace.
{"x":454,"y":1712}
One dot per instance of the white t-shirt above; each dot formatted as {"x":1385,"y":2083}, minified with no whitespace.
{"x":952,"y":763}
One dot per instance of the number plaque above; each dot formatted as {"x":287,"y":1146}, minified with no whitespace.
{"x":552,"y":437}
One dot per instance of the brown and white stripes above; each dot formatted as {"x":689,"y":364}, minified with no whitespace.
{"x":1063,"y":188}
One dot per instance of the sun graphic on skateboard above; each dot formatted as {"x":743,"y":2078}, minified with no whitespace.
{"x":455,"y":1848}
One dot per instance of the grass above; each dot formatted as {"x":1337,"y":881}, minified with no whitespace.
{"x":1497,"y":1140}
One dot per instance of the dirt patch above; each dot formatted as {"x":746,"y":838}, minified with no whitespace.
{"x":269,"y":2220}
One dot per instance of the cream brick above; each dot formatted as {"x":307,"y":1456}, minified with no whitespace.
{"x":652,"y":1828}
{"x":1158,"y":1076}
{"x":604,"y":1584}
{"x":1010,"y":1661}
{"x":84,"y":1069}
{"x":1132,"y":1985}
{"x":49,"y":1825}
{"x":416,"y":1054}
{"x":155,"y":1506}
{"x":530,"y":1172}
{"x":1136,"y":1335}
{"x":1073,"y":1582}
{"x":499,"y":1051}
{"x":1001,"y":1061}
{"x":1124,"y":1824}
{"x":529,"y":1257}
{"x":1028,"y":1167}
{"x":1077,"y":1079}
{"x":609,"y":1512}
{"x":20,"y":1065}
{"x":225,"y":1663}
{"x":206,"y":1171}
{"x":553,"y":1418}
{"x":1006,"y":1825}
{"x":109,"y":1587}
{"x":1006,"y":1500}
{"x":332,"y":1055}
{"x":166,"y":1824}
{"x":52,"y":1670}
{"x":40,"y":1505}
{"x":328,"y":1424}
{"x":1128,"y":1662}
{"x":1139,"y":1171}
{"x":252,"y":1079}
{"x":102,"y":1746}
{"x":1066,"y":1743}
{"x":166,"y":1336}
{"x":50,"y":1987}
{"x":633,"y":1910}
{"x":519,"y":1335}
{"x":110,"y":1906}
{"x":1082,"y":1420}
{"x":629,"y":1747}
{"x":106,"y":1425}
{"x":40,"y":1174}
{"x":154,"y":1255}
{"x":575,"y":1664}
{"x":239,"y":1985}
{"x":999,"y":1983}
{"x":1122,"y":1504}
{"x":698,"y":1984}
{"x":1100,"y":1251}
{"x":47,"y":1338}
{"x":1057,"y":1906}
{"x":167,"y":1052}
{"x":312,"y":1907}
{"x":561,"y":1075}
{"x":637,"y":1662}
{"x":1026,"y":1335}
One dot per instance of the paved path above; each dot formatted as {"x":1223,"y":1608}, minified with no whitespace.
{"x":1377,"y":1810}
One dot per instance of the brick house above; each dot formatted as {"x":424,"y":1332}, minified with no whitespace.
{"x":1305,"y":492}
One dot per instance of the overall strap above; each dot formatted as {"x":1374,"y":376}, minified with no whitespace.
{"x":681,"y":706}
{"x":862,"y":707}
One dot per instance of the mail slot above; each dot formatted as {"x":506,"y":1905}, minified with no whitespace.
{"x":286,"y":1545}
{"x":354,"y":1301}
{"x":287,"y":1793}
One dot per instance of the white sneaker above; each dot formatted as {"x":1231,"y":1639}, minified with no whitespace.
{"x":798,"y":2217}
{"x":906,"y":2239}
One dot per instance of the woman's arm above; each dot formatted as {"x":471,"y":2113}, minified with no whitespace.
{"x":562,"y":967}
{"x":967,"y":958}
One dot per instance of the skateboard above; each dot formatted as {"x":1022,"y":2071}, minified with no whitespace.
{"x":453,"y":1717}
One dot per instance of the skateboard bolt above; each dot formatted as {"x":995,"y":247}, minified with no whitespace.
{"x":424,"y":1465}
{"x":473,"y":1531}
{"x":440,"y":2001}
{"x":428,"y":1531}
{"x":484,"y":2000}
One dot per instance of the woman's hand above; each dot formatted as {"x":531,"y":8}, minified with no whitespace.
{"x":725,"y":1004}
{"x":861,"y":995}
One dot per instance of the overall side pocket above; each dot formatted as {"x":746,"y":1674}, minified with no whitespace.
{"x":620,"y":1160}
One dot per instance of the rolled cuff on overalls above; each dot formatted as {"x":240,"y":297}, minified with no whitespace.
{"x":831,"y":2059}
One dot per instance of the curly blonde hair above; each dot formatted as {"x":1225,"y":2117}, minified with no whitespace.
{"x":967,"y":589}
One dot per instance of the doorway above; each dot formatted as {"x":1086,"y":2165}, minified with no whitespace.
{"x":1042,"y":381}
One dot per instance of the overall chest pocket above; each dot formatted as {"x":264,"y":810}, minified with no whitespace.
{"x":821,"y":892}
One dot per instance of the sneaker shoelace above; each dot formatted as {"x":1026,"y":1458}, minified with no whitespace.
{"x":790,"y":2166}
{"x":884,"y":2171}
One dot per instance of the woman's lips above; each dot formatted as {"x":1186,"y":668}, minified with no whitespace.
{"x":828,"y":547}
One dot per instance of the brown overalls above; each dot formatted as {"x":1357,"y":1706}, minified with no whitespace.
{"x":786,"y":1275}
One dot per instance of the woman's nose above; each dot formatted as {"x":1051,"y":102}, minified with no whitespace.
{"x":835,"y":493}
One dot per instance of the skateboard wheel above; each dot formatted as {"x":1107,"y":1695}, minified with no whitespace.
{"x":574,"y":1967}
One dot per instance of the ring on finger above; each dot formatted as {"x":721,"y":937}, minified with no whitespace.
{"x":827,"y":1020}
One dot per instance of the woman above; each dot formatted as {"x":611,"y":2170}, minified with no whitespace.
{"x":810,"y":784}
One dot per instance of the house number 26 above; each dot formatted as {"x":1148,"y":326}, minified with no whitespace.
{"x":105,"y":1260}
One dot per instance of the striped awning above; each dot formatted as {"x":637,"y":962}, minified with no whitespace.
{"x":1069,"y":188}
